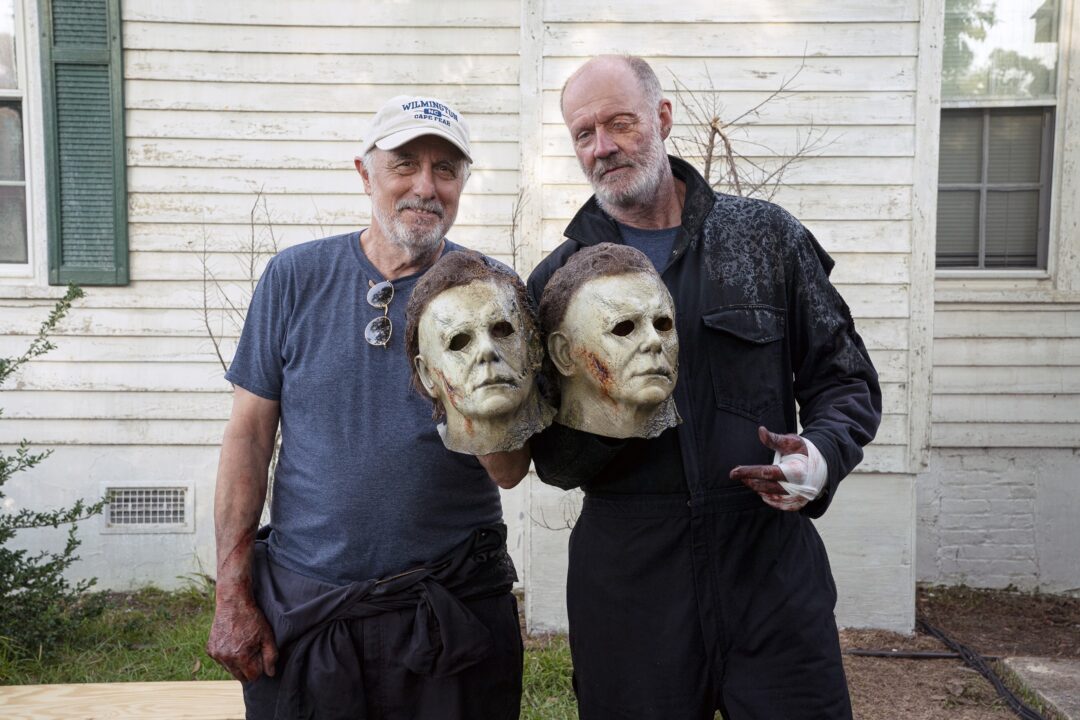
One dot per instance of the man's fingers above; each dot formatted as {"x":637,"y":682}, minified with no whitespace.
{"x":760,"y":478}
{"x":787,"y":444}
{"x":269,"y":654}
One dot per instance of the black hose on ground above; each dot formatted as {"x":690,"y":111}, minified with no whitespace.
{"x":978,"y":663}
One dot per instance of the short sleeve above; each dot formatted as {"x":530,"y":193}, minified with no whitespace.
{"x":258,"y":362}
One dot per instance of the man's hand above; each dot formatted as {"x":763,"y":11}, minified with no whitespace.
{"x":765,"y":479}
{"x":241,"y":640}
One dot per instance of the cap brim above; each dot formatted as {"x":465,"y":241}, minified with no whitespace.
{"x":396,"y":140}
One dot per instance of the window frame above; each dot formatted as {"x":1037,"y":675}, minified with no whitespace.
{"x":960,"y":284}
{"x":31,"y":121}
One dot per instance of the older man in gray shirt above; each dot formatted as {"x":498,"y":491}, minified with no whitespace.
{"x":381,"y":587}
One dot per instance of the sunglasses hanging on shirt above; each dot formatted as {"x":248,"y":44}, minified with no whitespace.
{"x":378,"y":330}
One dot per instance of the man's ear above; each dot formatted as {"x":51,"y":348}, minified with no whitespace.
{"x":666,"y":119}
{"x":558,"y":346}
{"x":359,"y":162}
{"x":425,"y":375}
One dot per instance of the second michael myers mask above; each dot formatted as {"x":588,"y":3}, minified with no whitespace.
{"x":476,"y":350}
{"x":609,"y":323}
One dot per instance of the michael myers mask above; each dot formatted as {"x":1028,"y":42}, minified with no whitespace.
{"x":476,"y":350}
{"x":610,"y":328}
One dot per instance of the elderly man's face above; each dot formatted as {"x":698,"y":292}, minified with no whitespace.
{"x":415,"y":190}
{"x":475,"y":354}
{"x":616,"y":133}
{"x":622,"y":339}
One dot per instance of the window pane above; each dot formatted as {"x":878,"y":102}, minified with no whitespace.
{"x":958,"y":229}
{"x":11,"y":141}
{"x":12,"y":224}
{"x":961,"y":147}
{"x":1015,"y":145}
{"x":8,"y":76}
{"x":1002,"y":49}
{"x":1012,"y":229}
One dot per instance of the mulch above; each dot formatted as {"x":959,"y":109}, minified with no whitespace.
{"x":997,"y":623}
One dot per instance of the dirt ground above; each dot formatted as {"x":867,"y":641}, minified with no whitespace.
{"x":993,"y":623}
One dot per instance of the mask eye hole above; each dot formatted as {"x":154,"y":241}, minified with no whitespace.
{"x":623,"y":328}
{"x":663,"y":324}
{"x":460,"y":341}
{"x":502,"y":329}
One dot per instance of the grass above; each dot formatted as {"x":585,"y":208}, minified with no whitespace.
{"x":154,"y":635}
{"x":547,"y":693}
{"x":143,"y":636}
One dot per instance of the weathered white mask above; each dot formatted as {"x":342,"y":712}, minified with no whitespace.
{"x":617,"y":353}
{"x":479,"y":358}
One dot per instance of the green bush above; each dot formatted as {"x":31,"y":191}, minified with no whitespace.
{"x":38,"y":606}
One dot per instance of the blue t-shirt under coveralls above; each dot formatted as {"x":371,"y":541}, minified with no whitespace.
{"x":364,"y":487}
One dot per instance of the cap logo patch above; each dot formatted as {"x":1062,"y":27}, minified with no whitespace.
{"x":431,"y":110}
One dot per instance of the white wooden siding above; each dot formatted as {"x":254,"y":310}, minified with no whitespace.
{"x":1006,"y":375}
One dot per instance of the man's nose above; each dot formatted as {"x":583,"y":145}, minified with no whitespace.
{"x":604,"y":145}
{"x":424,"y":182}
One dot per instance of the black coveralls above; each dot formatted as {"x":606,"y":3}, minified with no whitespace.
{"x":686,"y":593}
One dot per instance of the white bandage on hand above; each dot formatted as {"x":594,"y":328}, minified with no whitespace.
{"x":805,"y":475}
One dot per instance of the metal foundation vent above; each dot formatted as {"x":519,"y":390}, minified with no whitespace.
{"x":149,"y":509}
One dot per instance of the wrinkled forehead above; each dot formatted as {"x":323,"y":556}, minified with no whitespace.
{"x":475,"y":303}
{"x":603,"y":85}
{"x":611,"y":296}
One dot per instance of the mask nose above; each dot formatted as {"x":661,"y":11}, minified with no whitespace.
{"x":486,"y":352}
{"x":651,"y":342}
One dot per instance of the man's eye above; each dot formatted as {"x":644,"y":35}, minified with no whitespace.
{"x":663,"y":324}
{"x":502,"y":329}
{"x":460,"y":341}
{"x":623,"y":328}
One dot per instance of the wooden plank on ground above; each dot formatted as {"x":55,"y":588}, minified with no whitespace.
{"x":221,"y":700}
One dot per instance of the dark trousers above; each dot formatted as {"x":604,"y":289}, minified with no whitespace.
{"x":678,"y":609}
{"x":488,"y":689}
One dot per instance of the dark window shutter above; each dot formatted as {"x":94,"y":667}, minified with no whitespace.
{"x":84,"y":141}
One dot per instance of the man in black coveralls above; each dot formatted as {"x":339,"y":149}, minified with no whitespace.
{"x":688,"y":591}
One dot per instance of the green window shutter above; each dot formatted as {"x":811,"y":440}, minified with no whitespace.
{"x":82,"y":75}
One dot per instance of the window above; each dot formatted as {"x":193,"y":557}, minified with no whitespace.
{"x":999,"y":82}
{"x":14,"y":248}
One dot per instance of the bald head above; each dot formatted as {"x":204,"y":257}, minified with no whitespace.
{"x":629,"y":67}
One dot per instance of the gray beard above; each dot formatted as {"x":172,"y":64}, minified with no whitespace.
{"x":650,"y":167}
{"x":416,"y":243}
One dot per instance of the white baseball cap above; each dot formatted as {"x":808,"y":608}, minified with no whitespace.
{"x":404,"y":118}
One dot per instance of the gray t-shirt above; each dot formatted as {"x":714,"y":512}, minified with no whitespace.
{"x":364,"y":487}
{"x":656,"y":244}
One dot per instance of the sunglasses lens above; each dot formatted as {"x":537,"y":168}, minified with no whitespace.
{"x":378,"y":330}
{"x":380,"y":294}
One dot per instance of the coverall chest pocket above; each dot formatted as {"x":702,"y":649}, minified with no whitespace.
{"x":745,"y":347}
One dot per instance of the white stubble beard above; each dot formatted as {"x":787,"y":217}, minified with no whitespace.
{"x":417,"y":243}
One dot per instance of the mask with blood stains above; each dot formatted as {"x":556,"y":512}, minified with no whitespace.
{"x":617,"y":355}
{"x":478,"y":356}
